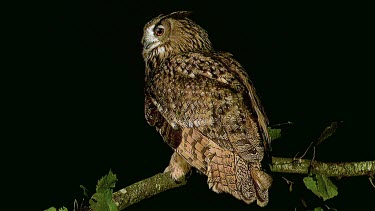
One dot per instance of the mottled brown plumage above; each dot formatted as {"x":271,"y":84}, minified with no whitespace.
{"x":204,"y":106}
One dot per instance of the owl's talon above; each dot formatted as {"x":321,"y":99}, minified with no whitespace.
{"x":178,"y":180}
{"x":178,"y":168}
{"x":176,"y":173}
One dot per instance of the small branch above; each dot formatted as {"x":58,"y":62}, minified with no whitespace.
{"x":301,"y":166}
{"x":370,"y":179}
{"x":282,"y":124}
{"x":162,"y":181}
{"x":304,"y":154}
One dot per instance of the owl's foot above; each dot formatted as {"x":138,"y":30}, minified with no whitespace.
{"x":178,"y":167}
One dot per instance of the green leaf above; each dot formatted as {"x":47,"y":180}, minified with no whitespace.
{"x":63,"y":209}
{"x":321,"y":186}
{"x":310,"y":183}
{"x":50,"y":209}
{"x":291,"y":187}
{"x":106,"y":182}
{"x":318,"y":209}
{"x":85,"y":191}
{"x":102,"y":199}
{"x":328,"y":132}
{"x":274,"y":133}
{"x":329,"y":188}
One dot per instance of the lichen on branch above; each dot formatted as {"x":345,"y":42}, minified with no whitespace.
{"x":144,"y":189}
{"x":341,"y":169}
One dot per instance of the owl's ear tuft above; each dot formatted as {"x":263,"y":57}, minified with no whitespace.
{"x":178,"y":14}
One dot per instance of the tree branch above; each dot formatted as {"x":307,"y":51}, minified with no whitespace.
{"x":144,"y":189}
{"x":343,"y":169}
{"x":162,"y":182}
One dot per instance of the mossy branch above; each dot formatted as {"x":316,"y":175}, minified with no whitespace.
{"x":341,"y":169}
{"x":162,"y":182}
{"x":144,"y":189}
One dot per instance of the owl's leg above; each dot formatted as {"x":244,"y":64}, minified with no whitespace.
{"x":178,"y":167}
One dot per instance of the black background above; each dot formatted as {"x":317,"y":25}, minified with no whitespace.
{"x":83,"y":104}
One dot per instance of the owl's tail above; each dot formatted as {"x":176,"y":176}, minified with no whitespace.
{"x":230,"y":173}
{"x":226,"y":171}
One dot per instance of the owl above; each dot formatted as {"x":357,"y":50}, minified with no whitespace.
{"x":204,"y":106}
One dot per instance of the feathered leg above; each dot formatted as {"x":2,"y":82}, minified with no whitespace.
{"x":178,"y":167}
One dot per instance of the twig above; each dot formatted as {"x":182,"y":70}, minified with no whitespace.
{"x":344,"y":169}
{"x":290,"y":183}
{"x":287,"y":181}
{"x":370,"y":179}
{"x":312,"y":160}
{"x":329,"y":208}
{"x":282,"y":124}
{"x":304,"y":154}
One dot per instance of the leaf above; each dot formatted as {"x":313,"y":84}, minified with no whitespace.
{"x":310,"y":183}
{"x":50,"y":209}
{"x":274,"y":133}
{"x":85,"y":191}
{"x":318,"y":209}
{"x":328,"y":132}
{"x":102,"y":199}
{"x":106,"y":182}
{"x":291,"y":187}
{"x":329,"y":188}
{"x":321,"y":186}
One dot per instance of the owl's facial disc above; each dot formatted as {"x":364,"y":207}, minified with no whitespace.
{"x":150,"y":41}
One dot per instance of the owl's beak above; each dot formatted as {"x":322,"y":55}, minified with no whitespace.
{"x":148,"y":45}
{"x":143,"y":42}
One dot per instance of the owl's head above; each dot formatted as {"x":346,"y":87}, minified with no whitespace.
{"x":168,"y":35}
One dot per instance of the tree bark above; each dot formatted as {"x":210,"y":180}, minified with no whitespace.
{"x":341,"y":169}
{"x":144,"y":189}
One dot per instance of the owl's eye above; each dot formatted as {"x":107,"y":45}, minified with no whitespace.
{"x":159,"y":30}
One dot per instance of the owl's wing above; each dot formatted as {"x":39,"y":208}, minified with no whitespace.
{"x":154,"y":118}
{"x":206,"y":93}
{"x":256,"y":106}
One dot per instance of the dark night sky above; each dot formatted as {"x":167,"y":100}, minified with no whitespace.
{"x":84,"y":108}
